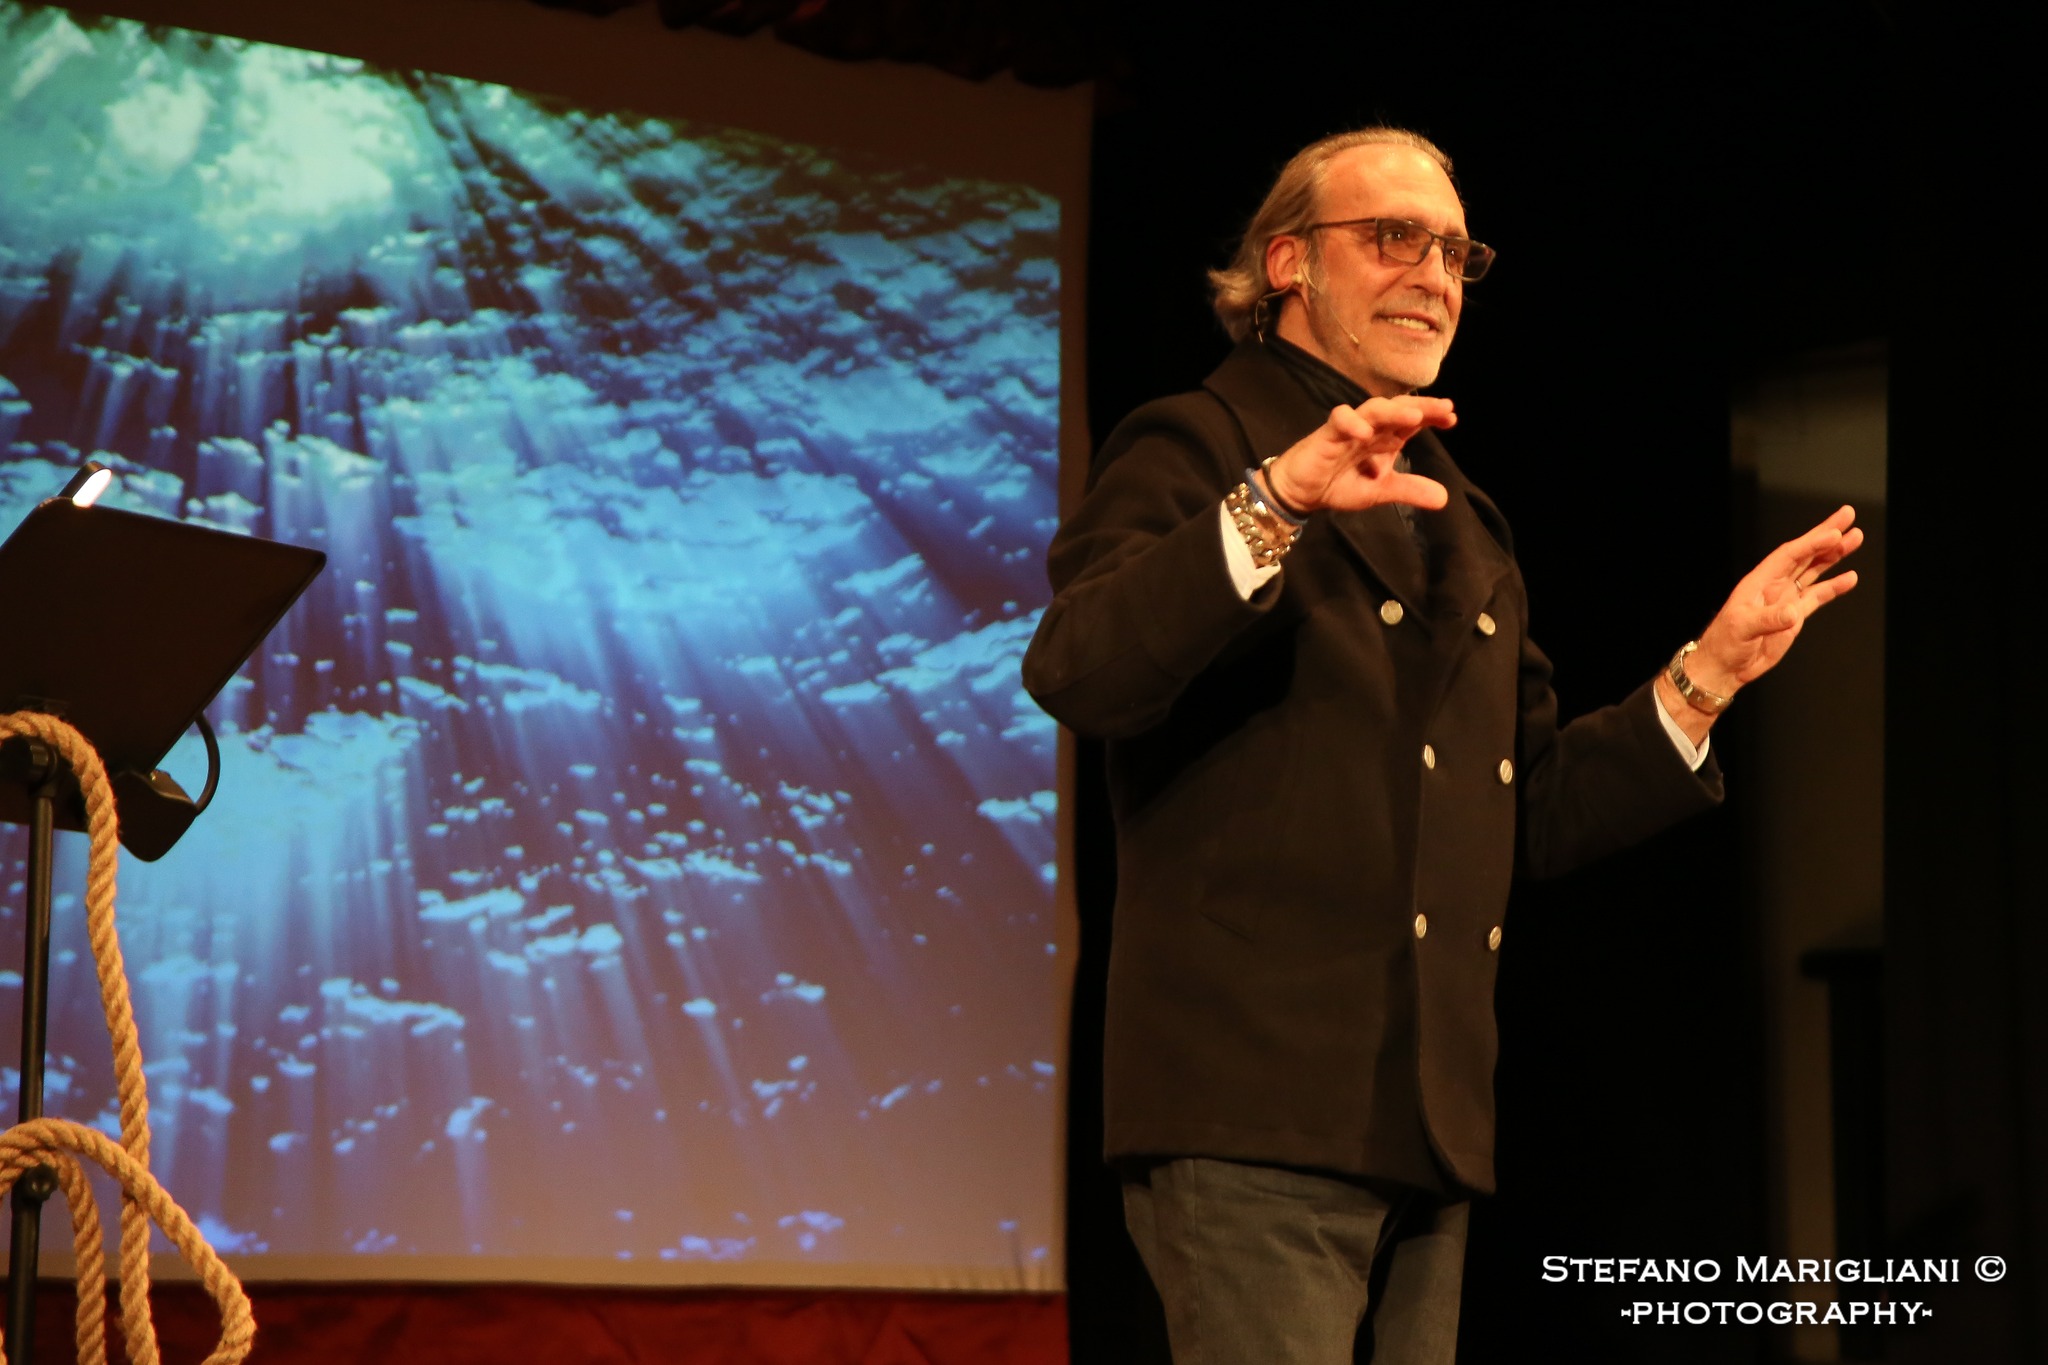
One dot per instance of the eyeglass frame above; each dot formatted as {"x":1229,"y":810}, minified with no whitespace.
{"x":1435,"y":240}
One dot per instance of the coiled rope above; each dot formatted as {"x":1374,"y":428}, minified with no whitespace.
{"x":59,"y":1142}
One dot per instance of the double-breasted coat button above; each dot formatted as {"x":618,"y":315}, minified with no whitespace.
{"x":1493,"y":940}
{"x":1507,"y":770}
{"x":1421,"y":926}
{"x":1486,"y":625}
{"x":1390,"y":612}
{"x":1428,"y":756}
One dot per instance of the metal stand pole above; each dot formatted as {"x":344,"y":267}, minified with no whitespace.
{"x":35,"y":1187}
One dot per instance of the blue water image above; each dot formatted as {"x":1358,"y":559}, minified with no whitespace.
{"x":636,"y":847}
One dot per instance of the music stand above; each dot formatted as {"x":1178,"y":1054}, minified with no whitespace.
{"x":126,"y":627}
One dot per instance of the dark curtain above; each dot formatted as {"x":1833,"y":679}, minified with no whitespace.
{"x":1966,"y":808}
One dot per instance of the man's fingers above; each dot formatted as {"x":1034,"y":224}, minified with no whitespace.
{"x":1429,"y":412}
{"x":1838,"y":521}
{"x":1416,"y":491}
{"x":1830,"y":554}
{"x":1350,"y":424}
{"x":1794,"y":607}
{"x":1830,"y":538}
{"x":1805,"y":573}
{"x":1395,"y":418}
{"x":1818,"y":595}
{"x":1411,"y":413}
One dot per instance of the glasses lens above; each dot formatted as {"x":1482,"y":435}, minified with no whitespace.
{"x":1475,"y":257}
{"x":1402,"y":241}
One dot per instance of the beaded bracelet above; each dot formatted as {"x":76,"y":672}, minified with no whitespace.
{"x":1265,"y":533}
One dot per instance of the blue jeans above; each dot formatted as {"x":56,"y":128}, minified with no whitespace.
{"x":1264,"y":1265}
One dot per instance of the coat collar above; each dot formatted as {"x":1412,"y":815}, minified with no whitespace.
{"x":1468,"y":548}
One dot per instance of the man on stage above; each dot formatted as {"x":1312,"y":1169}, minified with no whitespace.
{"x":1331,"y":744}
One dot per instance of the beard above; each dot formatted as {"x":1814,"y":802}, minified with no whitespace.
{"x":1381,"y":365}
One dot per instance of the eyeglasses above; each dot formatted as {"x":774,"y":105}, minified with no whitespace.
{"x":1406,"y":242}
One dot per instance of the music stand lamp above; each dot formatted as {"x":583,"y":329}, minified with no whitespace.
{"x":126,"y":627}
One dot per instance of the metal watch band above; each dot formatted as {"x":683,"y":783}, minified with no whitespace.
{"x":1697,"y":697}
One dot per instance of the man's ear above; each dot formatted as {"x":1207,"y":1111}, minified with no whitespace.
{"x":1286,"y":260}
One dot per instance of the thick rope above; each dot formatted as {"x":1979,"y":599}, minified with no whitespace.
{"x":51,"y":1142}
{"x":45,"y":1141}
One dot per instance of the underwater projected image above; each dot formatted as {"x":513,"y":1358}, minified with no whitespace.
{"x":634,"y":857}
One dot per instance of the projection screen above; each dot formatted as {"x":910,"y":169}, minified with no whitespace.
{"x":635,"y":859}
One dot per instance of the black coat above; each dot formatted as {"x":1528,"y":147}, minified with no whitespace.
{"x":1321,"y":796}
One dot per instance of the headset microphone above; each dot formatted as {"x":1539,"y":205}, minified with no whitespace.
{"x":1308,"y":291}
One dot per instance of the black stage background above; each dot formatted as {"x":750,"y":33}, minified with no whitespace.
{"x":1738,"y":174}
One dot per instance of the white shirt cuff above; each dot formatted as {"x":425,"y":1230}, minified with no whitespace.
{"x":1247,"y":576}
{"x":1693,"y":757}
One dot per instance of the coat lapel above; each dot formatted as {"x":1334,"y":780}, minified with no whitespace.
{"x":1274,"y":412}
{"x":1466,"y":562}
{"x":1380,"y":538}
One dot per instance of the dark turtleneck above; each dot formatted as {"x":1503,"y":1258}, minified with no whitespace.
{"x":1325,"y":384}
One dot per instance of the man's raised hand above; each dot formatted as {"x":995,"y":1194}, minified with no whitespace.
{"x":1763,"y":616}
{"x":1347,"y":463}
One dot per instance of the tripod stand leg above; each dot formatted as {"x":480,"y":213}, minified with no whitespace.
{"x":36,"y":1186}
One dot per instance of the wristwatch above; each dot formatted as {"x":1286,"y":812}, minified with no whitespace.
{"x":1697,"y":697}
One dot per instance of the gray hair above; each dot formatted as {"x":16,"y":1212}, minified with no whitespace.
{"x":1291,"y":205}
